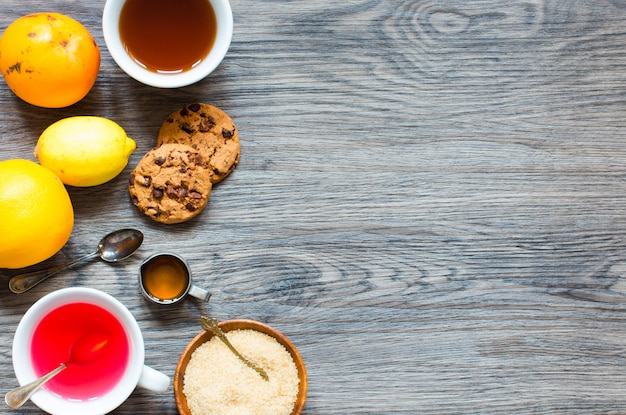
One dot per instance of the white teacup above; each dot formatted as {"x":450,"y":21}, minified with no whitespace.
{"x":114,"y":43}
{"x":135,"y":374}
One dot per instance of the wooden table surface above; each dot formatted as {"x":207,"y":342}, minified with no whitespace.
{"x":430,"y":202}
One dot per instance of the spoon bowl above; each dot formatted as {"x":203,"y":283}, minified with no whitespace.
{"x":119,"y":245}
{"x":88,"y":348}
{"x":115,"y":246}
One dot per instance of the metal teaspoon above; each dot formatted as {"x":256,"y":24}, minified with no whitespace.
{"x":113,"y":247}
{"x":84,"y":351}
{"x":211,"y":324}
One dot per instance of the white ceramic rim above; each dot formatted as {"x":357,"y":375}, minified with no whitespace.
{"x":110,"y":29}
{"x":54,"y":404}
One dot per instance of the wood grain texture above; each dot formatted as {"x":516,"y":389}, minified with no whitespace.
{"x":429,"y":204}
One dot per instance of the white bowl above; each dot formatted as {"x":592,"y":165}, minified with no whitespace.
{"x":110,"y":28}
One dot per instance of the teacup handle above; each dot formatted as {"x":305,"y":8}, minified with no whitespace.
{"x":199,"y":293}
{"x":153,"y":380}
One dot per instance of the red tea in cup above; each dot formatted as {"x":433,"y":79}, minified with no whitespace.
{"x":52,"y":342}
{"x":71,"y":325}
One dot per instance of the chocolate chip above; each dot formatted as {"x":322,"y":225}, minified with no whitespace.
{"x":157,"y":193}
{"x":184,"y":112}
{"x":147,"y":180}
{"x":187,"y":128}
{"x":198,"y":159}
{"x":135,"y":200}
{"x":227,"y":133}
{"x":206,"y":125}
{"x":153,"y":210}
{"x":171,"y":191}
{"x":195,"y":195}
{"x":182,"y":169}
{"x":190,"y":207}
{"x":159,"y":160}
{"x":195,"y":107}
{"x":131,"y":180}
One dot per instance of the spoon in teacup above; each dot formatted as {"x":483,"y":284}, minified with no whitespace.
{"x":113,"y":247}
{"x":84,"y":351}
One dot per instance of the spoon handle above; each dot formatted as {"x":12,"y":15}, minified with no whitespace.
{"x":24,"y":282}
{"x":210,"y":324}
{"x":18,"y":396}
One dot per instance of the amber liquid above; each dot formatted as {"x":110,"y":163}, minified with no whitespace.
{"x":164,"y":278}
{"x":168,"y":36}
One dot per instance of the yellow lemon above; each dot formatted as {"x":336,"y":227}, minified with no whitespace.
{"x":36,"y":214}
{"x":84,"y":150}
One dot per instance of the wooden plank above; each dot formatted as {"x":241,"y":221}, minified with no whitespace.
{"x":429,"y":204}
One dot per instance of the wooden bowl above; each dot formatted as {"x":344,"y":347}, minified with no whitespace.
{"x":204,"y":336}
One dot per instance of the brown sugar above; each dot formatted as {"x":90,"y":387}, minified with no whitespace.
{"x":216,"y":382}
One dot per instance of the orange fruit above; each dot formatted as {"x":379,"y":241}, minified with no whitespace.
{"x":36,"y":214}
{"x":49,"y":60}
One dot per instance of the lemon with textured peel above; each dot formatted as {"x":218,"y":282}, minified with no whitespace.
{"x":84,"y":150}
{"x":36,"y":213}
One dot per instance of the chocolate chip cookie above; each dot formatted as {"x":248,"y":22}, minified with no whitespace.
{"x":209,"y":130}
{"x":171,"y":183}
